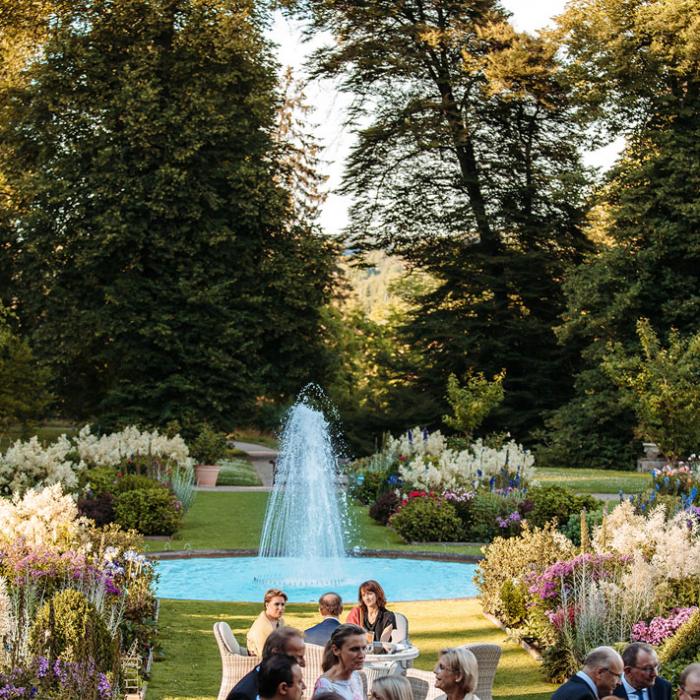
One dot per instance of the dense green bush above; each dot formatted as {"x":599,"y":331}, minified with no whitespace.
{"x":557,"y":502}
{"x":427,"y":519}
{"x":367,"y":486}
{"x":99,"y":480}
{"x":209,"y":446}
{"x":150,"y":511}
{"x":572,"y":529}
{"x":486,"y":506}
{"x":513,"y":603}
{"x":69,"y":626}
{"x":384,"y":507}
{"x":137,"y":482}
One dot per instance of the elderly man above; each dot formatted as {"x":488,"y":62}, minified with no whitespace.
{"x":285,"y":641}
{"x":601,"y":674}
{"x":641,"y":680}
{"x":330,"y":605}
{"x":689,"y":683}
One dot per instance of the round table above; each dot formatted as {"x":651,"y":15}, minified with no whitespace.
{"x":390,"y":653}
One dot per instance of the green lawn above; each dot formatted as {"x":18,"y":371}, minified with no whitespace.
{"x":190,"y":669}
{"x":237,"y":472}
{"x":233,"y":520}
{"x":46,"y":433}
{"x":595,"y":480}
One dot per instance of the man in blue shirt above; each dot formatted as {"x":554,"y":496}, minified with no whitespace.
{"x":330,"y":605}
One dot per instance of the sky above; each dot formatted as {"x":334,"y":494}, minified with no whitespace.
{"x":329,"y":105}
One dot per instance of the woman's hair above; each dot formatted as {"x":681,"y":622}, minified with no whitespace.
{"x":327,"y":695}
{"x":374,"y":587}
{"x":271,"y":593}
{"x":393,"y":687}
{"x":463,"y":662}
{"x":340,"y":635}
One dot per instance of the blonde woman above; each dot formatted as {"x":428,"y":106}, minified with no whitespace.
{"x":267,"y":621}
{"x":456,"y":674}
{"x":392,"y":687}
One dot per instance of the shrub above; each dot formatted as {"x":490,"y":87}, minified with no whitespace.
{"x":463,"y":502}
{"x":150,"y":511}
{"x":515,"y":558}
{"x":368,"y":485}
{"x":99,"y":480}
{"x":384,"y":507}
{"x":572,"y":529}
{"x":136,"y":482}
{"x":427,"y":519}
{"x":209,"y":446}
{"x":556,"y":502}
{"x":513,"y":603}
{"x":69,"y":626}
{"x":98,"y":508}
{"x":681,"y":649}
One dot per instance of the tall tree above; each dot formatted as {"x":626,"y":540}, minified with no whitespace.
{"x":467,"y":166}
{"x":150,"y":215}
{"x":636,"y":68}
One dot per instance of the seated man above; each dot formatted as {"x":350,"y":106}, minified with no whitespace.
{"x":286,"y":641}
{"x":280,"y":679}
{"x":330,"y":605}
{"x":641,"y":680}
{"x":601,"y":674}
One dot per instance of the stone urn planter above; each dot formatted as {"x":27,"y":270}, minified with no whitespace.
{"x":206,"y":474}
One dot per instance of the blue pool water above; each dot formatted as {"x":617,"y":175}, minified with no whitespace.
{"x":247,"y":578}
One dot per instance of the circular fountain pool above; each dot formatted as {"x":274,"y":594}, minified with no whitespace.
{"x":247,"y":578}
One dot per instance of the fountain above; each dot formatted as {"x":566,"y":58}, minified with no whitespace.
{"x":305,"y":514}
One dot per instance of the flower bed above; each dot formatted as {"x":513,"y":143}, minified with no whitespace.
{"x":635,"y":577}
{"x":76,"y":601}
{"x":119,"y":477}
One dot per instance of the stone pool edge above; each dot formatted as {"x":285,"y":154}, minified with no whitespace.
{"x":369,"y":553}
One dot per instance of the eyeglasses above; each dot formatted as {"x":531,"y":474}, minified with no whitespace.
{"x":617,"y":675}
{"x":647,"y":669}
{"x":692,"y":696}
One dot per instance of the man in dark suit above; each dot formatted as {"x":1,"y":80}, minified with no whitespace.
{"x":330,"y":606}
{"x":285,"y":641}
{"x":600,"y":675}
{"x":641,"y":680}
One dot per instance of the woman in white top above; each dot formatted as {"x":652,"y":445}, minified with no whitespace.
{"x":343,"y":657}
{"x":456,"y":674}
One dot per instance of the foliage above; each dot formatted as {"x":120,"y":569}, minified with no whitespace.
{"x":663,"y":387}
{"x":512,"y":604}
{"x":556,"y":502}
{"x":185,"y":286}
{"x":679,"y":480}
{"x":69,"y":627}
{"x":133,"y":482}
{"x":472,"y":402}
{"x":633,"y":69}
{"x":99,"y":480}
{"x":209,"y":446}
{"x":468,"y":168}
{"x":99,"y":507}
{"x":384,"y":507}
{"x":427,"y":519}
{"x":24,"y":382}
{"x":150,"y":511}
{"x":515,"y":559}
{"x":572,"y":528}
{"x":368,"y":484}
{"x":681,"y":649}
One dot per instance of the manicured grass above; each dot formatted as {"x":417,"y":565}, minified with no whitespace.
{"x":190,"y":668}
{"x":233,"y":520}
{"x":595,"y":480}
{"x":46,"y":434}
{"x":237,"y":472}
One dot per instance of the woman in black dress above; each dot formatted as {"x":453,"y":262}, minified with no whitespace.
{"x":371,"y":612}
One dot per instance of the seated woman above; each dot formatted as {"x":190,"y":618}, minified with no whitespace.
{"x":456,"y":674}
{"x":267,"y":621}
{"x":393,"y":687}
{"x":371,"y":613}
{"x":343,"y":657}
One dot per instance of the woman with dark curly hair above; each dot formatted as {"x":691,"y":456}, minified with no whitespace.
{"x":371,"y":612}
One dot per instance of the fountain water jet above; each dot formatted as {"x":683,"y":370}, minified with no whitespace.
{"x":305,"y":513}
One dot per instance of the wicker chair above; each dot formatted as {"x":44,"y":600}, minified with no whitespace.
{"x":400,"y":634}
{"x":313,"y":656}
{"x":487,"y":657}
{"x":234,"y":664}
{"x":369,"y":674}
{"x":422,"y":684}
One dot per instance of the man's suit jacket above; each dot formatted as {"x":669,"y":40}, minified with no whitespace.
{"x":661,"y":690}
{"x":246,"y":688}
{"x":574,"y":689}
{"x":321,"y":633}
